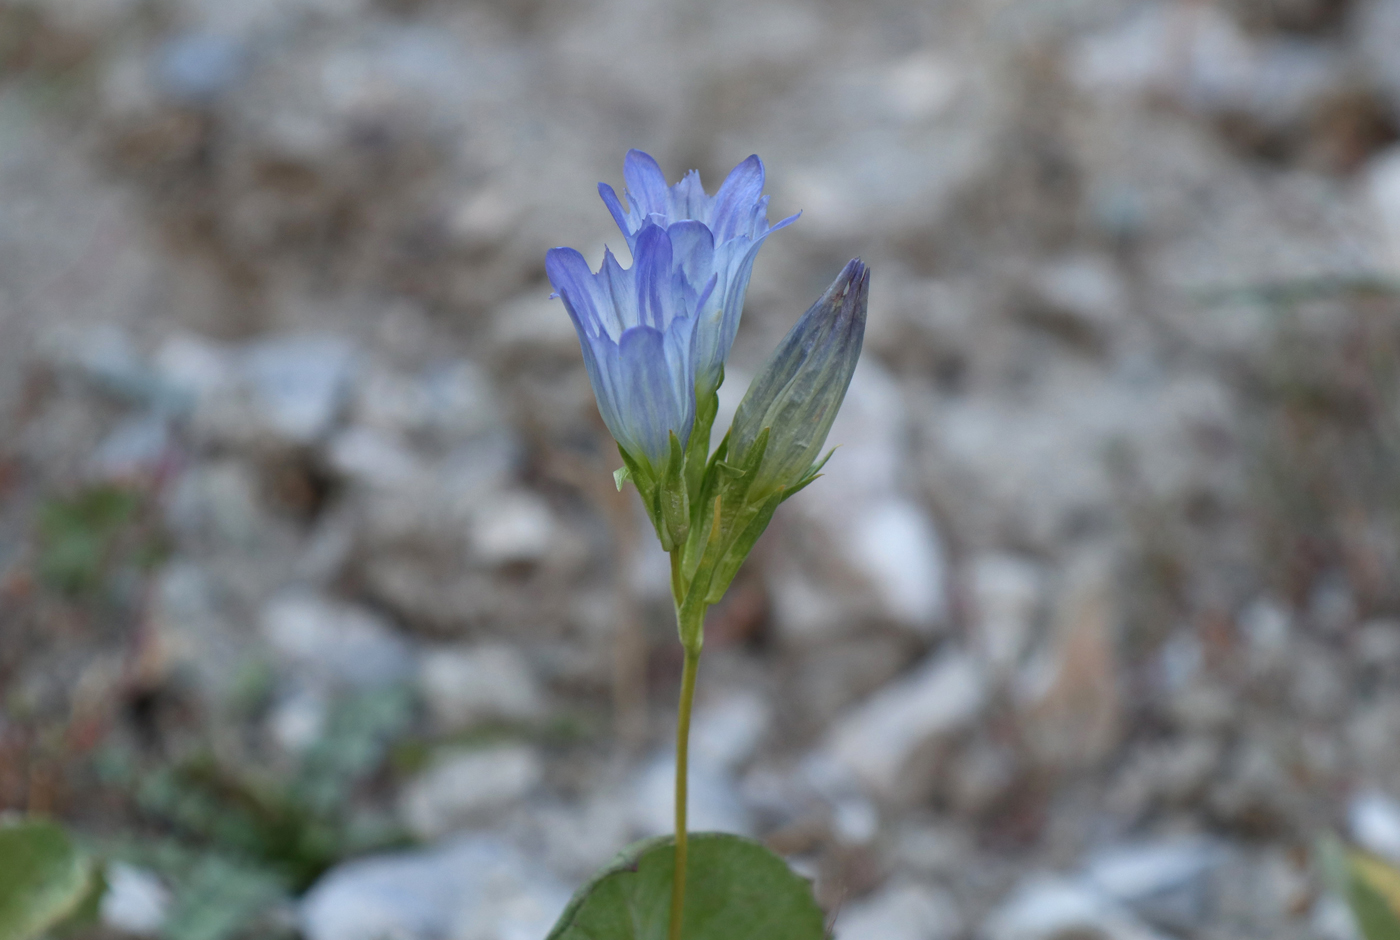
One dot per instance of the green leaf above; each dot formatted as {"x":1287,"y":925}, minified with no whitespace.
{"x":1371,"y":888}
{"x":736,"y":890}
{"x":1375,"y":918}
{"x":219,"y":899}
{"x":1374,"y":894}
{"x":43,"y":877}
{"x":620,"y":476}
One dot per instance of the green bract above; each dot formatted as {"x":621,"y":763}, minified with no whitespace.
{"x":770,"y":452}
{"x":800,"y":388}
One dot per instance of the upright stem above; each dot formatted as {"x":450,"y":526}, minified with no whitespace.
{"x":692,"y":662}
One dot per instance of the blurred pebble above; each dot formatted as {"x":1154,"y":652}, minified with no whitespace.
{"x":301,"y":382}
{"x":297,"y":721}
{"x":467,"y":786}
{"x":715,"y":803}
{"x":901,"y":912}
{"x":1006,"y":598}
{"x":1374,"y":820}
{"x":1383,"y":186}
{"x":725,"y":732}
{"x":514,"y":527}
{"x":466,"y":686}
{"x":472,"y":887}
{"x":135,"y":902}
{"x":1060,"y":909}
{"x":134,"y":447}
{"x":855,"y":821}
{"x":879,"y":740}
{"x":335,"y":641}
{"x":1168,"y":883}
{"x":374,"y":458}
{"x":198,"y":68}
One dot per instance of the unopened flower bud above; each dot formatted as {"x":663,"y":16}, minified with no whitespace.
{"x":801,"y":387}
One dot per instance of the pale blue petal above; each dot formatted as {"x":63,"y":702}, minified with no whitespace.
{"x":615,"y":207}
{"x":600,"y":359}
{"x":651,"y":266}
{"x":574,"y":282}
{"x":648,"y":400}
{"x":646,"y":184}
{"x":693,"y":249}
{"x":616,"y":284}
{"x":732,"y":213}
{"x":688,"y":199}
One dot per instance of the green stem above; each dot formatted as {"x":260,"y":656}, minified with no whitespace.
{"x":692,"y":663}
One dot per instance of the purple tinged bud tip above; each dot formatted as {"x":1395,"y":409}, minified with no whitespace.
{"x":801,"y":387}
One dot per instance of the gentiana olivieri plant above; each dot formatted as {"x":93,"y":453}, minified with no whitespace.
{"x":655,"y":337}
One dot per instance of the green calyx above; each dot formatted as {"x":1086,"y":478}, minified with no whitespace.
{"x":709,"y":510}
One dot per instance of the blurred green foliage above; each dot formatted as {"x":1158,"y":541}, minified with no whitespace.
{"x":84,"y":537}
{"x":239,"y":841}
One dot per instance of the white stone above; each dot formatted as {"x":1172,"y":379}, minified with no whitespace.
{"x":895,"y":545}
{"x":920,"y":85}
{"x":1374,"y":819}
{"x":806,"y":611}
{"x":473,"y":887}
{"x":484,"y":217}
{"x":725,"y":732}
{"x":514,"y":527}
{"x":219,"y":501}
{"x":466,"y":786}
{"x":715,"y":804}
{"x":334,"y":640}
{"x":469,"y":685}
{"x":901,"y":912}
{"x":135,"y":902}
{"x":374,"y":458}
{"x":1086,"y":288}
{"x":298,"y":720}
{"x":1069,"y":696}
{"x":1267,"y":629}
{"x":461,"y":401}
{"x":855,"y":821}
{"x":577,"y":838}
{"x":516,"y":905}
{"x":1201,"y":57}
{"x":879,"y":740}
{"x":532,"y":324}
{"x":300,"y":381}
{"x":1007,"y":593}
{"x":106,"y":356}
{"x":197,"y":68}
{"x":1378,"y":642}
{"x":1166,"y":882}
{"x":135,"y":446}
{"x":1376,"y":27}
{"x":1383,"y":184}
{"x":192,"y":630}
{"x":932,"y":849}
{"x":192,"y":366}
{"x":1059,"y":909}
{"x":453,"y":401}
{"x":1332,"y":920}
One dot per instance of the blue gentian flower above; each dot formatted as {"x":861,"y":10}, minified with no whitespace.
{"x":732,"y":226}
{"x":637,"y":327}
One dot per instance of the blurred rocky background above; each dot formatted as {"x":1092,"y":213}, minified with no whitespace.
{"x":320,"y":617}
